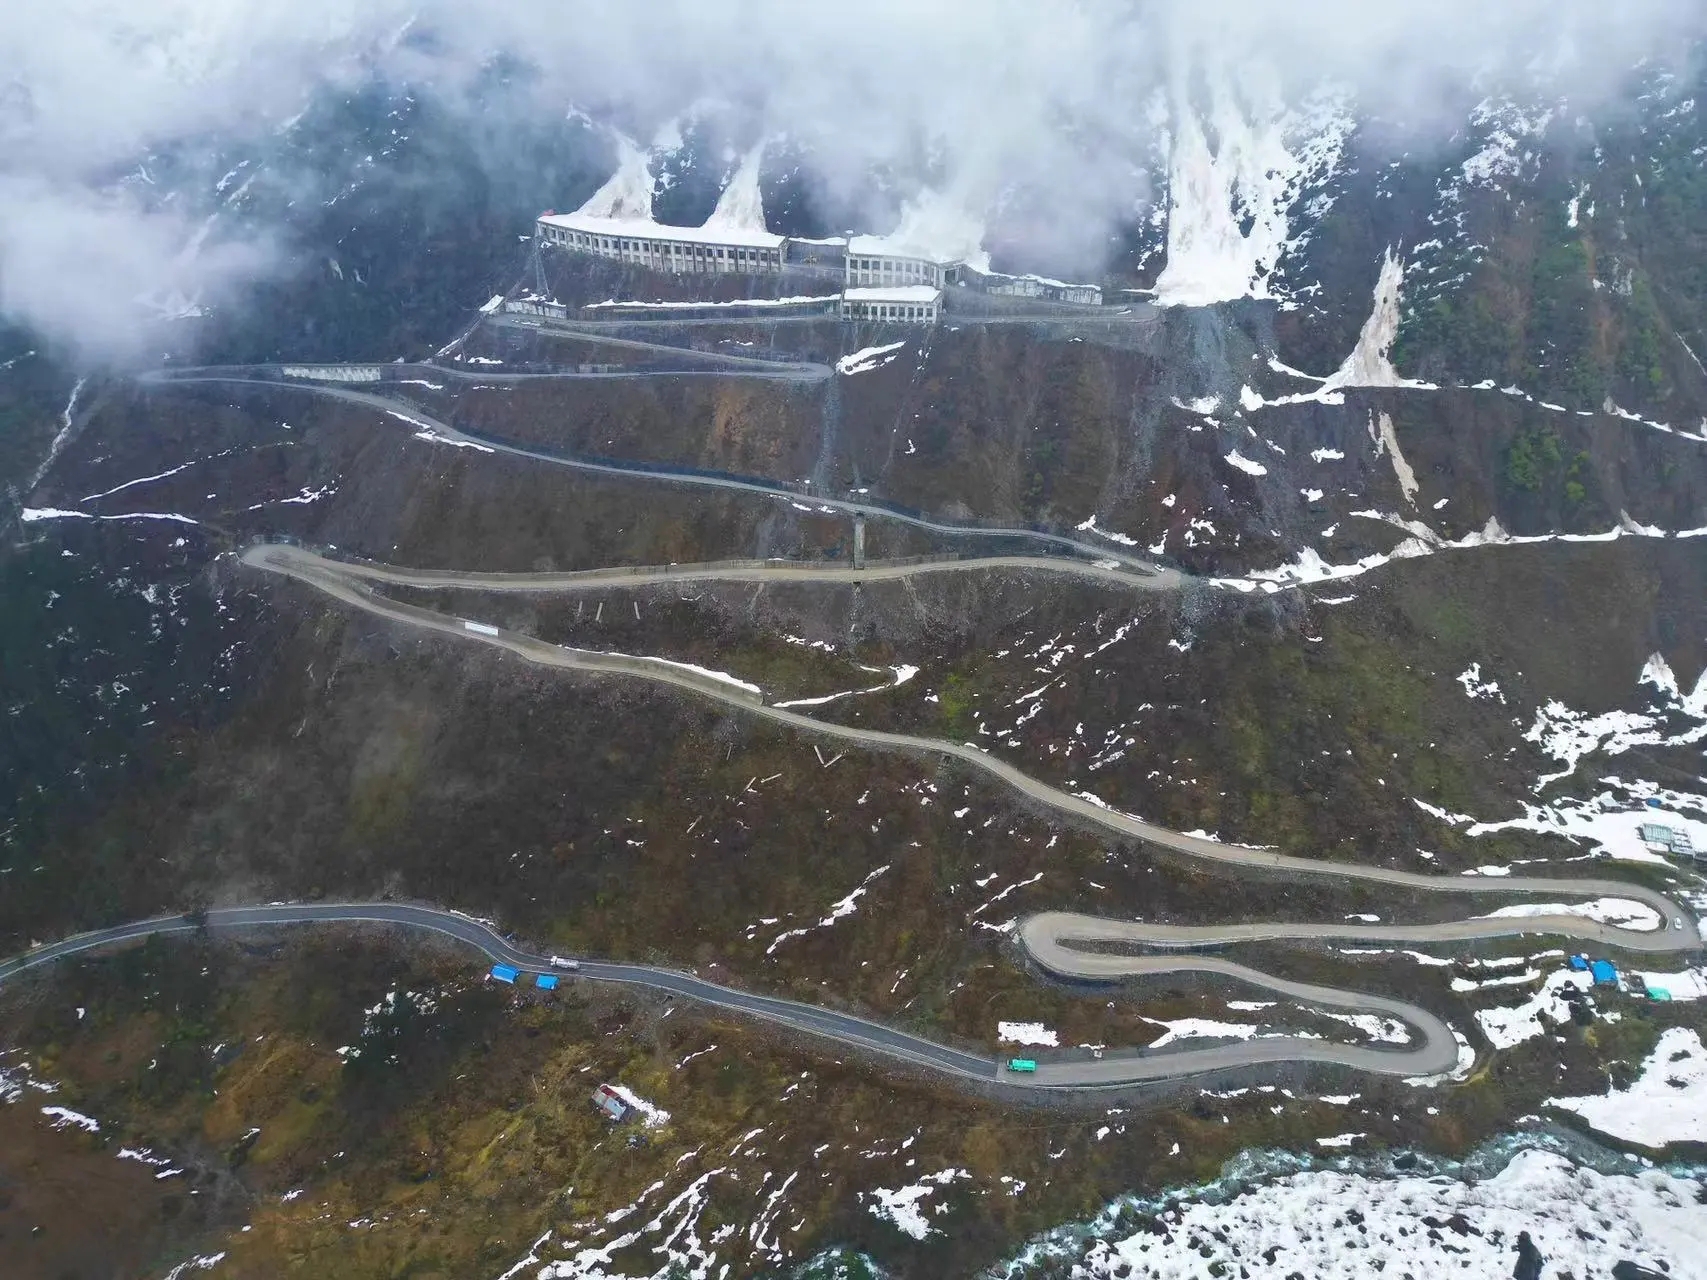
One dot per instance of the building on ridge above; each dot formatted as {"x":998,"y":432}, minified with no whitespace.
{"x":660,"y":247}
{"x":884,"y":279}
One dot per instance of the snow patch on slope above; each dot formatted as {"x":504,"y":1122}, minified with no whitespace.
{"x":1229,"y":201}
{"x":1357,"y":1227}
{"x":627,"y":193}
{"x":1667,"y":1103}
{"x":903,"y":1207}
{"x":868,"y":358}
{"x":1622,"y":912}
{"x":1370,"y":363}
{"x":741,"y":205}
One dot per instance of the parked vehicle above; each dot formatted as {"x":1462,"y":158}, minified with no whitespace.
{"x":563,"y":962}
{"x":1023,"y":1065}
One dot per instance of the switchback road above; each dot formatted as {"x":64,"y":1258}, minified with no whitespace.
{"x":1678,"y":930}
{"x":1050,"y":939}
{"x":1435,"y":1052}
{"x":437,"y":431}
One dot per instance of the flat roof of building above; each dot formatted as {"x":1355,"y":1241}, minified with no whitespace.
{"x":889,"y":247}
{"x":646,"y":229}
{"x":910,"y":293}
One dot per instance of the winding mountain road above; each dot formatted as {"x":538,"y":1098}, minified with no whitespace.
{"x":1049,"y":938}
{"x":1056,"y":941}
{"x":1435,"y":1052}
{"x":346,"y":583}
{"x":442,"y":432}
{"x":1062,"y":944}
{"x":779,"y":572}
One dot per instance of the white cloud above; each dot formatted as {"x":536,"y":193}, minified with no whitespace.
{"x":1055,"y":115}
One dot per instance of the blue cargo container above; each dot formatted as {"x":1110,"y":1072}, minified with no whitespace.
{"x":506,"y":973}
{"x":545,"y":982}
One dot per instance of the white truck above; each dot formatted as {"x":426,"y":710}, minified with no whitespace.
{"x":563,"y":962}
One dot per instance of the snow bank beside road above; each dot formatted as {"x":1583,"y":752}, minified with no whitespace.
{"x":1622,"y":912}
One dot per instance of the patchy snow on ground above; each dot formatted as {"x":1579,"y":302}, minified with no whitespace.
{"x":1622,"y":912}
{"x":1026,"y":1033}
{"x":1508,"y":1026}
{"x":1568,"y":735}
{"x":1611,"y":821}
{"x":671,"y":1235}
{"x":705,"y":673}
{"x":1385,"y":1030}
{"x":65,"y":1117}
{"x":1244,"y":464}
{"x":1090,"y":526}
{"x":1477,"y":688}
{"x":655,"y":1117}
{"x":1690,"y":984}
{"x":1310,"y":567}
{"x":1460,"y":1069}
{"x":902,"y":674}
{"x":1179,"y":1029}
{"x":840,"y":909}
{"x":904,"y":1207}
{"x":432,"y":435}
{"x":1667,"y":1103}
{"x":1462,"y":985}
{"x":201,"y":1262}
{"x":868,"y":358}
{"x":33,"y":515}
{"x":1340,"y":1140}
{"x":1352,"y":1226}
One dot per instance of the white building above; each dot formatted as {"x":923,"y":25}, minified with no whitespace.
{"x":897,"y":304}
{"x":682,"y":250}
{"x":879,"y":262}
{"x":887,"y":279}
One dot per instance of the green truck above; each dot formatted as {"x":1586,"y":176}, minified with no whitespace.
{"x":1021,"y":1064}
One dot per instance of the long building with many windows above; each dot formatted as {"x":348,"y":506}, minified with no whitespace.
{"x":877,"y":262}
{"x":681,"y":250}
{"x":883,"y":279}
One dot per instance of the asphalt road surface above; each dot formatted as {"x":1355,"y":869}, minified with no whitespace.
{"x":1678,"y":931}
{"x":448,"y":434}
{"x":781,"y":572}
{"x":1054,"y":940}
{"x":1434,"y":1050}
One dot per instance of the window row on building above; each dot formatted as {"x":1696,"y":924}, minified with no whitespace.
{"x":914,"y":304}
{"x":683,"y":250}
{"x":884,"y":270}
